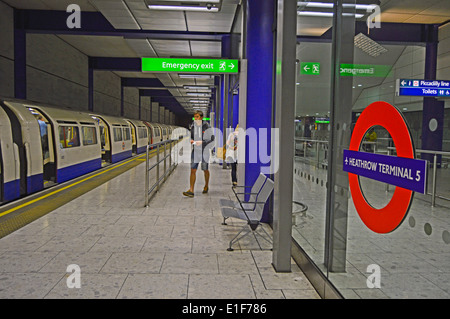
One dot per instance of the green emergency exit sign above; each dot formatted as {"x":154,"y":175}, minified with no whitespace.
{"x":178,"y":65}
{"x":310,"y":68}
{"x":369,"y":70}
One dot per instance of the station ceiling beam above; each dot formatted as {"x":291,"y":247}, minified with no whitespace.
{"x":95,"y":24}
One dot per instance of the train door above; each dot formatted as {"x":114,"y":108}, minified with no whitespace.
{"x":47,"y":145}
{"x":134,"y":137}
{"x":104,"y":139}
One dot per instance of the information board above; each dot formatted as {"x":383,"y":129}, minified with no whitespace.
{"x":425,"y":88}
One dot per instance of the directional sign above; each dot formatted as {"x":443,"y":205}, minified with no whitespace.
{"x":310,"y":68}
{"x":208,"y":66}
{"x":399,"y":171}
{"x":370,"y":70}
{"x":426,"y":88}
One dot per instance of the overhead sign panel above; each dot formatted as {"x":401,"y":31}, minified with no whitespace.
{"x":370,"y":70}
{"x":178,"y":65}
{"x":425,"y":88}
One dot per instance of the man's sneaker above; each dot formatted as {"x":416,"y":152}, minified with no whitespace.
{"x":188,"y":193}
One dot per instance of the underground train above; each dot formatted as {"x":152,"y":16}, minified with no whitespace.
{"x":42,"y":145}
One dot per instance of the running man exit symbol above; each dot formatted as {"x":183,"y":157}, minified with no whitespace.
{"x":310,"y":68}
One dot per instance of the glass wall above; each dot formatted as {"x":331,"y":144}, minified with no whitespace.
{"x":350,"y":55}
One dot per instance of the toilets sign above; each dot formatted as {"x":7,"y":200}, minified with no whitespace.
{"x":425,"y":88}
{"x":403,"y":170}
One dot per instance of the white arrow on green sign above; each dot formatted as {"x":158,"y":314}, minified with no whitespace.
{"x":178,"y":65}
{"x":310,"y":68}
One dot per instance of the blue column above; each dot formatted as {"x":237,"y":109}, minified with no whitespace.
{"x":433,"y":110}
{"x":226,"y":53}
{"x":221,"y":108}
{"x":259,"y":48}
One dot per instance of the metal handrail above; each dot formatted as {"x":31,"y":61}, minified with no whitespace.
{"x":167,"y":172}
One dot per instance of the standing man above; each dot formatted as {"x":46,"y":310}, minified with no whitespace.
{"x":201,"y":140}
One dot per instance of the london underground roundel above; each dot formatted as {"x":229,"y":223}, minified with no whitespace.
{"x":386,"y":219}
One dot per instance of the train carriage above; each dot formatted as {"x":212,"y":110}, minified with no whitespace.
{"x":27,"y":143}
{"x":116,"y":132}
{"x":155,"y":132}
{"x":9,"y":164}
{"x":43,"y":145}
{"x":139,"y":134}
{"x":74,"y":139}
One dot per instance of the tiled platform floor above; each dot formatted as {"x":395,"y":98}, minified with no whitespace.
{"x":176,"y":248}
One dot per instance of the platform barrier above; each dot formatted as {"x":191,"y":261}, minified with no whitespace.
{"x":168,"y":168}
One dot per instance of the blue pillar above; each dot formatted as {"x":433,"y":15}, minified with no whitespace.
{"x":20,"y":57}
{"x":433,"y":110}
{"x":226,"y":53}
{"x":221,"y":108}
{"x":259,"y":48}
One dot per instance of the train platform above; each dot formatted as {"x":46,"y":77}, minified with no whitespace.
{"x":174,"y":249}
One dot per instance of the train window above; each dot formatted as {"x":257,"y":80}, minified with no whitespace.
{"x":102,"y":136}
{"x":117,"y":134}
{"x":89,"y":135}
{"x":69,"y":136}
{"x":142,"y":132}
{"x":126,"y":133}
{"x":44,"y":129}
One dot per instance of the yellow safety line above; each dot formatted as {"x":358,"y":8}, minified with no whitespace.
{"x":69,"y":186}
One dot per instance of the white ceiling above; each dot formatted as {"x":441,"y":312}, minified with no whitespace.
{"x":134,"y":15}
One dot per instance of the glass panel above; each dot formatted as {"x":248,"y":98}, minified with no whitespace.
{"x":126,"y":134}
{"x":89,"y":135}
{"x":312,"y":132}
{"x":69,"y":136}
{"x":103,"y":136}
{"x":44,"y":129}
{"x":372,"y":51}
{"x":117,"y":134}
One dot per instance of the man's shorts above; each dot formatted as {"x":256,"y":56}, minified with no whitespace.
{"x":204,"y":166}
{"x":194,"y":163}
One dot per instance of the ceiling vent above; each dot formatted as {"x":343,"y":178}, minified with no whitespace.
{"x":369,"y":46}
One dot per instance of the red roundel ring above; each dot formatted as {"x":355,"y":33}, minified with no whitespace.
{"x":386,"y":219}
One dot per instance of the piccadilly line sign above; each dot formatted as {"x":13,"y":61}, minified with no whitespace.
{"x":407,"y":173}
{"x":181,"y":65}
{"x":425,"y":88}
